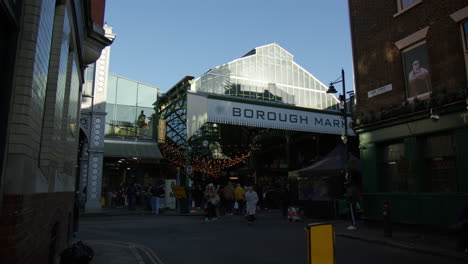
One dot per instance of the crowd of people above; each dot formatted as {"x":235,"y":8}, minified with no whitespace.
{"x":213,"y":200}
{"x":227,"y":200}
{"x":130,"y":195}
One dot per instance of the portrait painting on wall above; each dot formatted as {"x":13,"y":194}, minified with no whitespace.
{"x":416,"y":62}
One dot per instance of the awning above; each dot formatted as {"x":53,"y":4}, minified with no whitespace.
{"x":137,"y":149}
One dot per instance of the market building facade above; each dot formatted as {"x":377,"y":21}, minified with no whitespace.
{"x":249,"y":121}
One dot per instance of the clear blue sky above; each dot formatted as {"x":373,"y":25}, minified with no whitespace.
{"x":160,"y":41}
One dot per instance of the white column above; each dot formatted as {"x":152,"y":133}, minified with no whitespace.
{"x":97,"y":118}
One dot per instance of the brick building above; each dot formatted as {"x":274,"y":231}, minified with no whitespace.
{"x":45,"y":47}
{"x":410,"y":62}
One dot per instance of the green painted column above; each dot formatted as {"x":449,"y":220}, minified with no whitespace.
{"x":461,"y":143}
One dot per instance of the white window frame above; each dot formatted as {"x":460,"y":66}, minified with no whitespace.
{"x":465,"y":43}
{"x":402,"y":9}
{"x":461,"y":17}
{"x":464,"y":34}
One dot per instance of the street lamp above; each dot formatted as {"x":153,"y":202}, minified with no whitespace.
{"x":344,"y":137}
{"x":332,"y":90}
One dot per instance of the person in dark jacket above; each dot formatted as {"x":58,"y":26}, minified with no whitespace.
{"x":284,"y":201}
{"x":132,"y":194}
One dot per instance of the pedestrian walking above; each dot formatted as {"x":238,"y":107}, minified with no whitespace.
{"x":284,"y":202}
{"x":132,"y":195}
{"x":148,"y":192}
{"x":157,"y":192}
{"x":120,"y":193}
{"x":239,"y":193}
{"x":351,"y":197}
{"x":212,"y":199}
{"x":229,"y":196}
{"x":251,"y":199}
{"x":197,"y":194}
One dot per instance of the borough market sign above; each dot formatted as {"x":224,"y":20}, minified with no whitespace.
{"x":244,"y":114}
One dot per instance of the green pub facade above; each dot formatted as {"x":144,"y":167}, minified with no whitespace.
{"x":412,"y":108}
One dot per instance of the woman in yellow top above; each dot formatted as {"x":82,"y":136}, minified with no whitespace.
{"x":239,"y":193}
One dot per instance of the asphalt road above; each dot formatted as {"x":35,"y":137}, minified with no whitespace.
{"x":188,"y":239}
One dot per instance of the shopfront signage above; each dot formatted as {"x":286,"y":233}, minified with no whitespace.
{"x":179,"y":192}
{"x":244,"y":114}
{"x":170,"y":200}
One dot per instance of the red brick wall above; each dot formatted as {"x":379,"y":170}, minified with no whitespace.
{"x":378,"y":62}
{"x":26,"y":222}
{"x":98,"y":8}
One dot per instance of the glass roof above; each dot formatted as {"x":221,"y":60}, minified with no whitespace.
{"x":267,"y":73}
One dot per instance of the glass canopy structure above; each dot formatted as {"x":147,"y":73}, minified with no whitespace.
{"x":129,"y":108}
{"x":267,"y":73}
{"x":217,"y":120}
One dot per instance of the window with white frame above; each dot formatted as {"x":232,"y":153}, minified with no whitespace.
{"x":403,"y":4}
{"x":417,"y":73}
{"x":465,"y":34}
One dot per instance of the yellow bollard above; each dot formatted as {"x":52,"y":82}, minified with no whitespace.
{"x":320,"y":243}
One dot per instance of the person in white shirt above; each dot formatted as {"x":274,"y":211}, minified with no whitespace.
{"x":251,"y":199}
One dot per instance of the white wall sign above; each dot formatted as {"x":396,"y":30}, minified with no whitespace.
{"x":244,"y":114}
{"x":380,"y":90}
{"x":169,"y":197}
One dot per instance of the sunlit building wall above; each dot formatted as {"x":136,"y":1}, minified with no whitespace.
{"x":45,"y":48}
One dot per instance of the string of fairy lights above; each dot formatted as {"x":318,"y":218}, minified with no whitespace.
{"x":205,"y":161}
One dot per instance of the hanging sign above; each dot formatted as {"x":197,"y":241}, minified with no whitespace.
{"x":161,"y":131}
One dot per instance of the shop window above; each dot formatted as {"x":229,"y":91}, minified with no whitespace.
{"x":417,"y":73}
{"x":394,"y":169}
{"x":441,"y":163}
